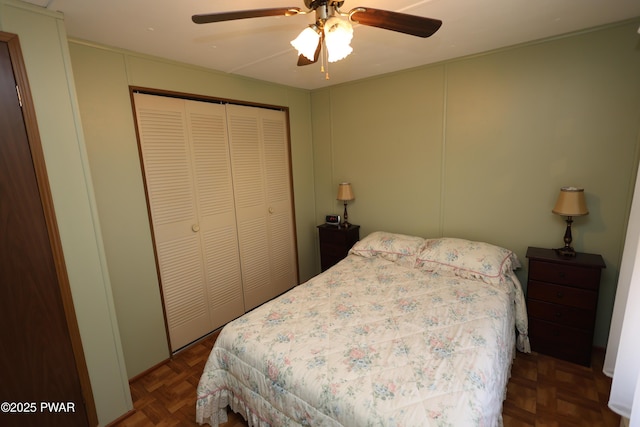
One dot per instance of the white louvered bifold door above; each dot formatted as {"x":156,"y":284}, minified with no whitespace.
{"x":262,"y":190}
{"x":162,"y":127}
{"x":187,"y":175}
{"x":282,"y":243}
{"x":217,"y":222}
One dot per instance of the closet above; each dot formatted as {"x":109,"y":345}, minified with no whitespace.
{"x":218,"y":186}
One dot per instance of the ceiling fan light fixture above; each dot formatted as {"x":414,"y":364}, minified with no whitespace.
{"x":307,"y":42}
{"x":337,"y":36}
{"x":329,"y":38}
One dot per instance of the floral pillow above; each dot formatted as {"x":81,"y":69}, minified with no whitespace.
{"x":467,"y":259}
{"x":394,"y":247}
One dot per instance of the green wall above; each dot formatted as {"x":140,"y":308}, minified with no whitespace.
{"x":103,"y":76}
{"x":479,"y":147}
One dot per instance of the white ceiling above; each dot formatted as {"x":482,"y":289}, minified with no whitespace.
{"x":259,"y":47}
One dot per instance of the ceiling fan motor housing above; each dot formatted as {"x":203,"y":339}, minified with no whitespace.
{"x":324,"y":9}
{"x":314,"y":4}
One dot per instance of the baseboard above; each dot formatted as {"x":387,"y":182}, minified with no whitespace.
{"x":148,"y":371}
{"x":121,"y":418}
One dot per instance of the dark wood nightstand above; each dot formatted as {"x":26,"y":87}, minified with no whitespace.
{"x":562,"y":297}
{"x":335,"y":243}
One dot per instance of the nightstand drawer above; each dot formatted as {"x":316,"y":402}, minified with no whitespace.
{"x":560,"y":341}
{"x":564,"y":295}
{"x":334,"y":249}
{"x":581,"y":277}
{"x":334,"y":235}
{"x":569,"y":316}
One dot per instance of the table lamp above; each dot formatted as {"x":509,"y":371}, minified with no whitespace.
{"x":570,"y":203}
{"x":345,"y":194}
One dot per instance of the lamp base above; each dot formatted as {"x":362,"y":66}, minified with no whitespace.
{"x":566,"y":251}
{"x":345,"y":216}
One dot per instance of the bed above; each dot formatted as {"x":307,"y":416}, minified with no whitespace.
{"x":404,"y":331}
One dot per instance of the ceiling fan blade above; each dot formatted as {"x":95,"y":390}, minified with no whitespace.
{"x":396,"y":21}
{"x":303,"y":60}
{"x":207,"y":18}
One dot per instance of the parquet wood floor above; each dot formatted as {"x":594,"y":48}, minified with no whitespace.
{"x":542,"y":392}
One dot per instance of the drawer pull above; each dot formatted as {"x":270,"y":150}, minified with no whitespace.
{"x":558,"y":314}
{"x":560,"y":294}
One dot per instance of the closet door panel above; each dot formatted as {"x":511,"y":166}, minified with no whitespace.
{"x":180,"y":263}
{"x":224,"y":278}
{"x":282,"y":245}
{"x":246,"y":161}
{"x":261,"y":174}
{"x":164,"y":142}
{"x":282,"y":249}
{"x":167,"y":165}
{"x":256,"y":268}
{"x":247,"y":165}
{"x":216,"y":208}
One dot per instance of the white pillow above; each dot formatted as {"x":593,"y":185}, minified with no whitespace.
{"x":394,"y":247}
{"x":467,"y":259}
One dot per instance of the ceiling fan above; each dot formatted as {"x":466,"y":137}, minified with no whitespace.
{"x":329,"y":29}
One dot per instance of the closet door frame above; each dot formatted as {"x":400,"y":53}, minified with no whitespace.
{"x":203,"y":98}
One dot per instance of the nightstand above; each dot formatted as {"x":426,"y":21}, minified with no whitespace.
{"x":562,"y":297}
{"x":335,"y":243}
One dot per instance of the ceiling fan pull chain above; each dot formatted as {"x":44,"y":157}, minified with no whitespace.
{"x":325,"y":61}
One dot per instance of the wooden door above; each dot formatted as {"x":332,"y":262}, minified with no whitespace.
{"x":43,"y":376}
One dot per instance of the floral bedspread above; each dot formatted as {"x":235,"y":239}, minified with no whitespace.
{"x":367,"y":343}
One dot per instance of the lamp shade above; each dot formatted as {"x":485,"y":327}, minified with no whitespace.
{"x":337,"y":35}
{"x":307,"y":42}
{"x":571,"y":202}
{"x":345,"y":192}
